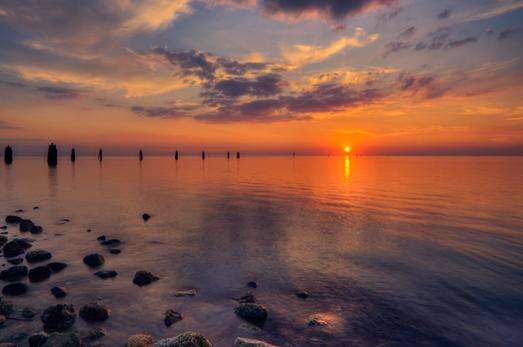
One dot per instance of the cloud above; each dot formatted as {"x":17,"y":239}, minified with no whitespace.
{"x":461,"y":42}
{"x":6,"y":125}
{"x":333,"y":9}
{"x":440,"y":39}
{"x":444,"y":14}
{"x":59,"y":93}
{"x":162,"y":112}
{"x":191,"y":62}
{"x":508,"y":32}
{"x":300,"y":55}
{"x":408,"y":32}
{"x":396,"y":46}
{"x":423,"y":85}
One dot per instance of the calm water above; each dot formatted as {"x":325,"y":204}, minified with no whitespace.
{"x":394,"y":251}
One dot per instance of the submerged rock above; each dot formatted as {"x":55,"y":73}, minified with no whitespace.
{"x":246,"y":298}
{"x":16,"y":247}
{"x":6,"y":307}
{"x":37,"y":255}
{"x":115,"y":251}
{"x":94,"y":312}
{"x":28,"y":312}
{"x":111,"y":242}
{"x":26,"y":225}
{"x":56,"y":266}
{"x":59,"y":292}
{"x":187,"y":339}
{"x":140,"y":340}
{"x":252,"y":284}
{"x":14,"y":273}
{"x":251,"y":312}
{"x":146,"y":217}
{"x":171,"y":317}
{"x":3,"y":240}
{"x":37,"y":339}
{"x":13,"y":219}
{"x":94,"y":260}
{"x":15,"y":289}
{"x":70,"y":339}
{"x":39,"y":274}
{"x":15,"y":261}
{"x":302,"y":294}
{"x":245,"y":342}
{"x":105,"y":274}
{"x":58,"y":317}
{"x":142,"y":278}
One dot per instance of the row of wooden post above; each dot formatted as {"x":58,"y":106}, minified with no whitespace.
{"x":52,"y":155}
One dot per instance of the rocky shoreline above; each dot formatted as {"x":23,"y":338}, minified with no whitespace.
{"x":58,"y":321}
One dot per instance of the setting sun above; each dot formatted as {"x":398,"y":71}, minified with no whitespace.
{"x":347,"y":149}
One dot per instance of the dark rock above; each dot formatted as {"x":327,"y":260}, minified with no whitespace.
{"x":3,"y":240}
{"x":13,"y":219}
{"x":3,"y":227}
{"x":142,"y":278}
{"x":37,"y":255}
{"x":15,"y":261}
{"x":56,"y":266}
{"x":251,"y":312}
{"x":146,"y":217}
{"x":15,"y":289}
{"x":302,"y":294}
{"x":104,"y":274}
{"x":96,"y":334}
{"x":6,"y":307}
{"x":58,"y":292}
{"x":70,"y":339}
{"x":94,"y":312}
{"x":37,"y":339}
{"x":2,"y":321}
{"x":17,"y":338}
{"x":187,"y":339}
{"x":94,"y":260}
{"x":63,"y":221}
{"x":111,"y":242}
{"x":101,"y":238}
{"x":28,"y":313}
{"x":26,"y":225}
{"x":36,"y":208}
{"x":15,"y":247}
{"x":171,"y":317}
{"x":14,"y":273}
{"x":247,"y":298}
{"x":115,"y":251}
{"x":39,"y":274}
{"x":36,"y":229}
{"x":58,"y":317}
{"x":252,"y":284}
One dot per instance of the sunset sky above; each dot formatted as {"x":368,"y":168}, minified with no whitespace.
{"x":265,"y":76}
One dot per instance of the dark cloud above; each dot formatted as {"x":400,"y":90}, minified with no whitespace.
{"x":190,"y":62}
{"x":396,"y":46}
{"x":445,"y":14}
{"x":425,"y":86}
{"x":408,"y":32}
{"x":440,"y":39}
{"x":161,"y":112}
{"x":462,"y":42}
{"x":59,"y":93}
{"x":389,"y":15}
{"x":14,"y":84}
{"x":334,"y":9}
{"x":5,"y":125}
{"x":508,"y":32}
{"x":234,"y":67}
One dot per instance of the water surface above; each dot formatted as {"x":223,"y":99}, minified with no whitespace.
{"x":393,"y":250}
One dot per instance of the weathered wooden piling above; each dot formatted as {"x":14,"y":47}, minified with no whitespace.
{"x":52,"y":155}
{"x":140,"y":155}
{"x":237,"y":155}
{"x":8,"y":155}
{"x":228,"y":155}
{"x":100,"y":155}
{"x":203,"y":155}
{"x":73,"y":155}
{"x":176,"y":155}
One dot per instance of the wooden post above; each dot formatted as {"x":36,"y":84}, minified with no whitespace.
{"x":52,"y":155}
{"x":203,"y":155}
{"x":140,"y":155}
{"x":73,"y":155}
{"x":8,"y":155}
{"x":176,"y":155}
{"x":100,"y":155}
{"x":237,"y":155}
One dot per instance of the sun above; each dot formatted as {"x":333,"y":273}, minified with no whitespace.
{"x":347,"y":149}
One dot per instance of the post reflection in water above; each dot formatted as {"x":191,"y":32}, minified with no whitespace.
{"x":347,"y":167}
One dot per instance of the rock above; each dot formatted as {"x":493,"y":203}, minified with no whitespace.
{"x":28,"y":313}
{"x":3,"y":240}
{"x":94,"y":312}
{"x":6,"y":307}
{"x":142,"y":278}
{"x":3,"y":227}
{"x":15,"y":261}
{"x":14,"y":273}
{"x":183,"y":293}
{"x":15,"y":289}
{"x":105,"y":274}
{"x":58,"y":317}
{"x":96,"y":334}
{"x":187,"y":339}
{"x":37,"y":339}
{"x":36,"y":208}
{"x":15,"y":247}
{"x":37,"y":255}
{"x":17,"y":338}
{"x":140,"y":340}
{"x":59,"y":292}
{"x":36,"y":229}
{"x":13,"y":219}
{"x":39,"y":274}
{"x":70,"y":339}
{"x":101,"y":238}
{"x":94,"y":260}
{"x":20,"y":210}
{"x":171,"y":317}
{"x":247,"y":298}
{"x":302,"y":294}
{"x":146,"y":217}
{"x":111,"y":242}
{"x":2,"y":320}
{"x":252,"y":284}
{"x":245,"y":342}
{"x":251,"y":312}
{"x":26,"y":225}
{"x":56,"y":266}
{"x":115,"y":251}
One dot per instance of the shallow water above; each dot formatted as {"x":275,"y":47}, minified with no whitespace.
{"x":393,"y":250}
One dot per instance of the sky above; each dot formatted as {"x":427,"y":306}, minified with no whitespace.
{"x":413,"y":77}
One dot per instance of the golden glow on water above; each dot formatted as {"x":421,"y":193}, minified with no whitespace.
{"x":347,"y":167}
